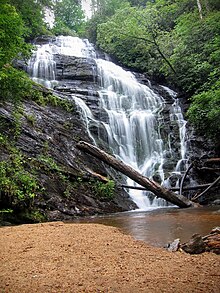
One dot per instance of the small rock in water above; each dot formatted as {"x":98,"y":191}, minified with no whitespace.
{"x":174,"y":246}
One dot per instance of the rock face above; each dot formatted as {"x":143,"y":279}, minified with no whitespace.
{"x":71,"y":68}
{"x":47,"y":142}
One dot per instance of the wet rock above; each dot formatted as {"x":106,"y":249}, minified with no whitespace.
{"x":174,"y":246}
{"x":195,"y":245}
{"x":198,"y":244}
{"x":48,"y":145}
{"x":71,"y":67}
{"x":42,"y":40}
{"x":212,"y":241}
{"x":216,"y":202}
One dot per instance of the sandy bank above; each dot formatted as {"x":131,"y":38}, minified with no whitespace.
{"x":58,"y":257}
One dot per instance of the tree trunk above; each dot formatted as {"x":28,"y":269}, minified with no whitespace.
{"x":150,"y":185}
{"x":199,"y":8}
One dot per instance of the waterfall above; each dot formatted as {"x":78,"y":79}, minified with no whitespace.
{"x":41,"y":66}
{"x":134,"y":115}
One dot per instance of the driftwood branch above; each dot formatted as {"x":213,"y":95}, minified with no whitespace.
{"x":152,"y":186}
{"x":209,"y":169}
{"x":184,"y":177}
{"x":207,"y":189}
{"x":186,"y":188}
{"x":212,"y":161}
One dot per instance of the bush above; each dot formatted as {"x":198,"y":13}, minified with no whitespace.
{"x":104,"y":191}
{"x":18,"y":187}
{"x":14,"y":84}
{"x":204,"y":113}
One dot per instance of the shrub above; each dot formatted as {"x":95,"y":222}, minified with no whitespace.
{"x":204,"y":113}
{"x":18,"y":187}
{"x":104,"y":190}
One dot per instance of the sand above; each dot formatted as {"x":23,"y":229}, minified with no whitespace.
{"x":61,"y":257}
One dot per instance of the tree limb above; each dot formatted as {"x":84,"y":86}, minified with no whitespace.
{"x":207,"y":189}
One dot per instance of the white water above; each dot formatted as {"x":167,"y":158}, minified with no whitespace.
{"x":134,"y":114}
{"x":177,"y":115}
{"x":42,"y":67}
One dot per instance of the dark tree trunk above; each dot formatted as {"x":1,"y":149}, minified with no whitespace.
{"x":150,"y":185}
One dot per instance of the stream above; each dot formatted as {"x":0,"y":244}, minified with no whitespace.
{"x":158,"y":227}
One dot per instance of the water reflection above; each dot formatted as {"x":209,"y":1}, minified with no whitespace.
{"x":161,"y":226}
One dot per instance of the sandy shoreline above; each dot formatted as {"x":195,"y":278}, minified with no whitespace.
{"x":59,"y":257}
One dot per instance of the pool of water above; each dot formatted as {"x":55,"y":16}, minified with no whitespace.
{"x":161,"y":226}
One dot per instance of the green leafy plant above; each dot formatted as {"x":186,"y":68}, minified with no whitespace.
{"x":48,"y":99}
{"x":104,"y":191}
{"x":204,"y":113}
{"x":18,"y":186}
{"x":15,"y":85}
{"x":31,"y":119}
{"x":69,"y":16}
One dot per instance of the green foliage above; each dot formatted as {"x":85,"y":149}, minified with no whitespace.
{"x":104,"y":10}
{"x":18,"y":187}
{"x":49,"y":163}
{"x":49,"y":99}
{"x":14,"y":84}
{"x":33,"y":215}
{"x":204,"y":113}
{"x":30,"y":118}
{"x":104,"y":191}
{"x":196,"y":54}
{"x":60,"y":28}
{"x":126,"y":36}
{"x":18,"y":20}
{"x":69,"y":17}
{"x":12,"y":32}
{"x":32,"y":14}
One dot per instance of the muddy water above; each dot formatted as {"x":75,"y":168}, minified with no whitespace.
{"x":161,"y":226}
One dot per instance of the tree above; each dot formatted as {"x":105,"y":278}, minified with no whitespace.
{"x":69,"y":15}
{"x":139,"y":27}
{"x":32,"y":14}
{"x":196,"y":56}
{"x":204,"y":113}
{"x":104,"y":9}
{"x":199,"y":8}
{"x":12,"y":33}
{"x":13,"y":83}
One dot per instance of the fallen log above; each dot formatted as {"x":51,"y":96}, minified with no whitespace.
{"x":152,"y":186}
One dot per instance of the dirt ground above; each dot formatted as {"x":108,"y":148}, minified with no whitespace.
{"x":58,"y":257}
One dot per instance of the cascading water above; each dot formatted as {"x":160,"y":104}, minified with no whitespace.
{"x":42,"y":67}
{"x":133,"y":110}
{"x":134,"y":114}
